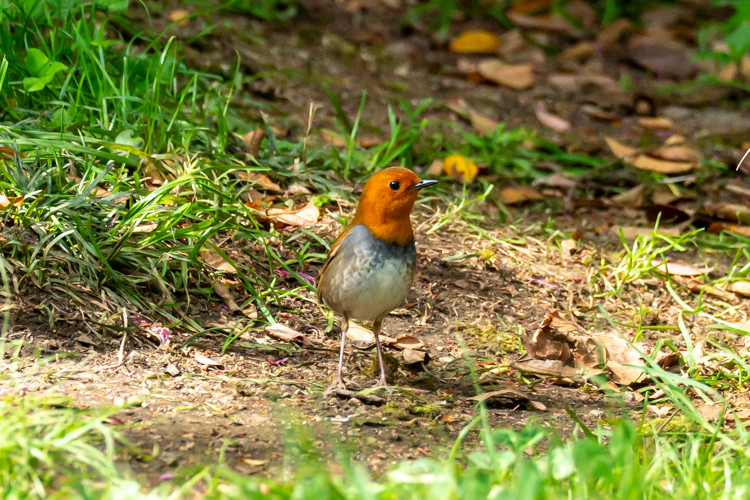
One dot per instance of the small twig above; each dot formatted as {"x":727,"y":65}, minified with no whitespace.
{"x":662,"y":426}
{"x":743,"y":159}
{"x":310,"y":116}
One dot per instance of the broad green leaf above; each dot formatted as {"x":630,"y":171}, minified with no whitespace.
{"x":33,"y":84}
{"x":35,"y":62}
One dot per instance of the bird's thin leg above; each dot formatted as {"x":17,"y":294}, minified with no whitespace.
{"x":376,"y":331}
{"x":339,"y":377}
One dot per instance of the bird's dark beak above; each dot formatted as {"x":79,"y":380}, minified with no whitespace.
{"x":423,"y":184}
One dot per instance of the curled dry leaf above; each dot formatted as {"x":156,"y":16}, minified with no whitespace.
{"x":661,"y":54}
{"x":550,"y":120}
{"x":305,"y":217}
{"x":286,"y":334}
{"x":359,"y":333}
{"x":730,"y":211}
{"x":252,"y":141}
{"x":260,"y":180}
{"x":414,"y":357}
{"x":205,"y":361}
{"x":632,"y":198}
{"x":678,"y":269}
{"x":515,"y":195}
{"x":436,"y":167}
{"x":226,"y":296}
{"x":679,"y":153}
{"x":515,"y":76}
{"x":474,"y":42}
{"x":460,"y":168}
{"x":741,"y":288}
{"x":621,"y":151}
{"x":216,"y":261}
{"x":656,"y":123}
{"x":12,"y":201}
{"x":406,"y":341}
{"x":644,"y":162}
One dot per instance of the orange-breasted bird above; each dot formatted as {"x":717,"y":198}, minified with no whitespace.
{"x":372,"y":263}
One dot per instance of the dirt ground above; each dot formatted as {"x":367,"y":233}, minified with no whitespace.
{"x":185,"y":402}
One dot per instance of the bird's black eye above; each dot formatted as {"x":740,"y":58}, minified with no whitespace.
{"x":394,"y":185}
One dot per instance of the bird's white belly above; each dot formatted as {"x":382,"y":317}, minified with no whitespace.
{"x":380,"y":292}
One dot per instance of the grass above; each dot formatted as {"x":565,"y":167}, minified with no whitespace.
{"x":124,"y":180}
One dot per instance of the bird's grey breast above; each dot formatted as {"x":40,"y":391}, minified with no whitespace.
{"x":369,"y":277}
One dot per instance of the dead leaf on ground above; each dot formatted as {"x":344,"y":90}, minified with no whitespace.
{"x":621,"y":151}
{"x":413,"y":357}
{"x":481,"y":123}
{"x":515,"y":195}
{"x":510,"y":397}
{"x":645,"y":162}
{"x":718,"y":227}
{"x":530,"y":6}
{"x":679,"y":153}
{"x":547,"y":368}
{"x":550,"y":120}
{"x":515,"y":76}
{"x":9,"y":153}
{"x":436,"y":167}
{"x":181,"y":17}
{"x":213,"y":259}
{"x":554,"y":22}
{"x":305,"y":217}
{"x":359,"y":333}
{"x":286,"y":334}
{"x":656,"y":123}
{"x":474,"y":42}
{"x":661,"y":54}
{"x":632,"y":232}
{"x":741,"y":288}
{"x":261,"y":180}
{"x":696,"y":286}
{"x":406,"y":341}
{"x":558,"y":180}
{"x":205,"y":361}
{"x":678,"y":269}
{"x":12,"y":201}
{"x":460,"y":168}
{"x":252,"y":141}
{"x":730,"y":211}
{"x":223,"y":292}
{"x":632,"y":198}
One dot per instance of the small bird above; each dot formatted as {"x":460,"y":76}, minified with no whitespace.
{"x":372,"y":263}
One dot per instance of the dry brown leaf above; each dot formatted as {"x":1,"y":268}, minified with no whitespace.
{"x":678,"y":152}
{"x":718,"y":227}
{"x":145,"y":228}
{"x":13,"y":201}
{"x":305,"y":217}
{"x":547,"y":368}
{"x":632,"y":198}
{"x":205,"y":361}
{"x":515,"y":195}
{"x":661,"y":54}
{"x":741,"y":288}
{"x":730,"y":211}
{"x":550,"y":120}
{"x":697,"y":287}
{"x":663,"y":195}
{"x":530,"y":6}
{"x":333,"y":139}
{"x":261,"y":180}
{"x":632,"y":232}
{"x":412,"y":357}
{"x":656,"y":123}
{"x":213,"y":259}
{"x":252,"y":141}
{"x":359,"y":333}
{"x":613,"y":32}
{"x":554,"y":22}
{"x":181,"y":17}
{"x":297,"y":189}
{"x":677,"y":269}
{"x":286,"y":334}
{"x":474,"y":42}
{"x":406,"y":341}
{"x":621,"y":151}
{"x":644,"y":162}
{"x":558,"y":180}
{"x":226,"y":296}
{"x":481,"y":123}
{"x":515,"y":76}
{"x":436,"y":167}
{"x":582,"y":50}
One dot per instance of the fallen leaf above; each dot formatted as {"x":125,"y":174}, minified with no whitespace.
{"x":656,"y":123}
{"x":678,"y":269}
{"x":297,"y":189}
{"x":85,"y":339}
{"x":9,"y":153}
{"x":663,"y":195}
{"x":172,"y":370}
{"x":547,"y":368}
{"x":213,"y":259}
{"x":661,"y":54}
{"x":660,"y":411}
{"x":611,"y":34}
{"x":12,"y":201}
{"x":644,"y":162}
{"x":730,"y":211}
{"x":530,"y":6}
{"x":333,"y":139}
{"x":666,"y":214}
{"x":569,"y":246}
{"x":259,"y":179}
{"x":205,"y":361}
{"x":554,"y":22}
{"x":632,"y":232}
{"x":436,"y":167}
{"x":515,"y":195}
{"x":515,"y":76}
{"x":558,"y":180}
{"x":286,"y":334}
{"x":481,"y":123}
{"x":698,"y":287}
{"x":474,"y":42}
{"x":359,"y":333}
{"x":145,"y":228}
{"x":406,"y":341}
{"x":226,"y":296}
{"x":718,"y":227}
{"x":413,"y":357}
{"x":678,"y":152}
{"x":252,"y":141}
{"x":550,"y":120}
{"x":621,"y":151}
{"x":460,"y":168}
{"x":632,"y":198}
{"x":305,"y":217}
{"x":741,"y":288}
{"x":181,"y":17}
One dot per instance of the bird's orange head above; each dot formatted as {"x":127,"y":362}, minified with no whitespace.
{"x":386,"y":203}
